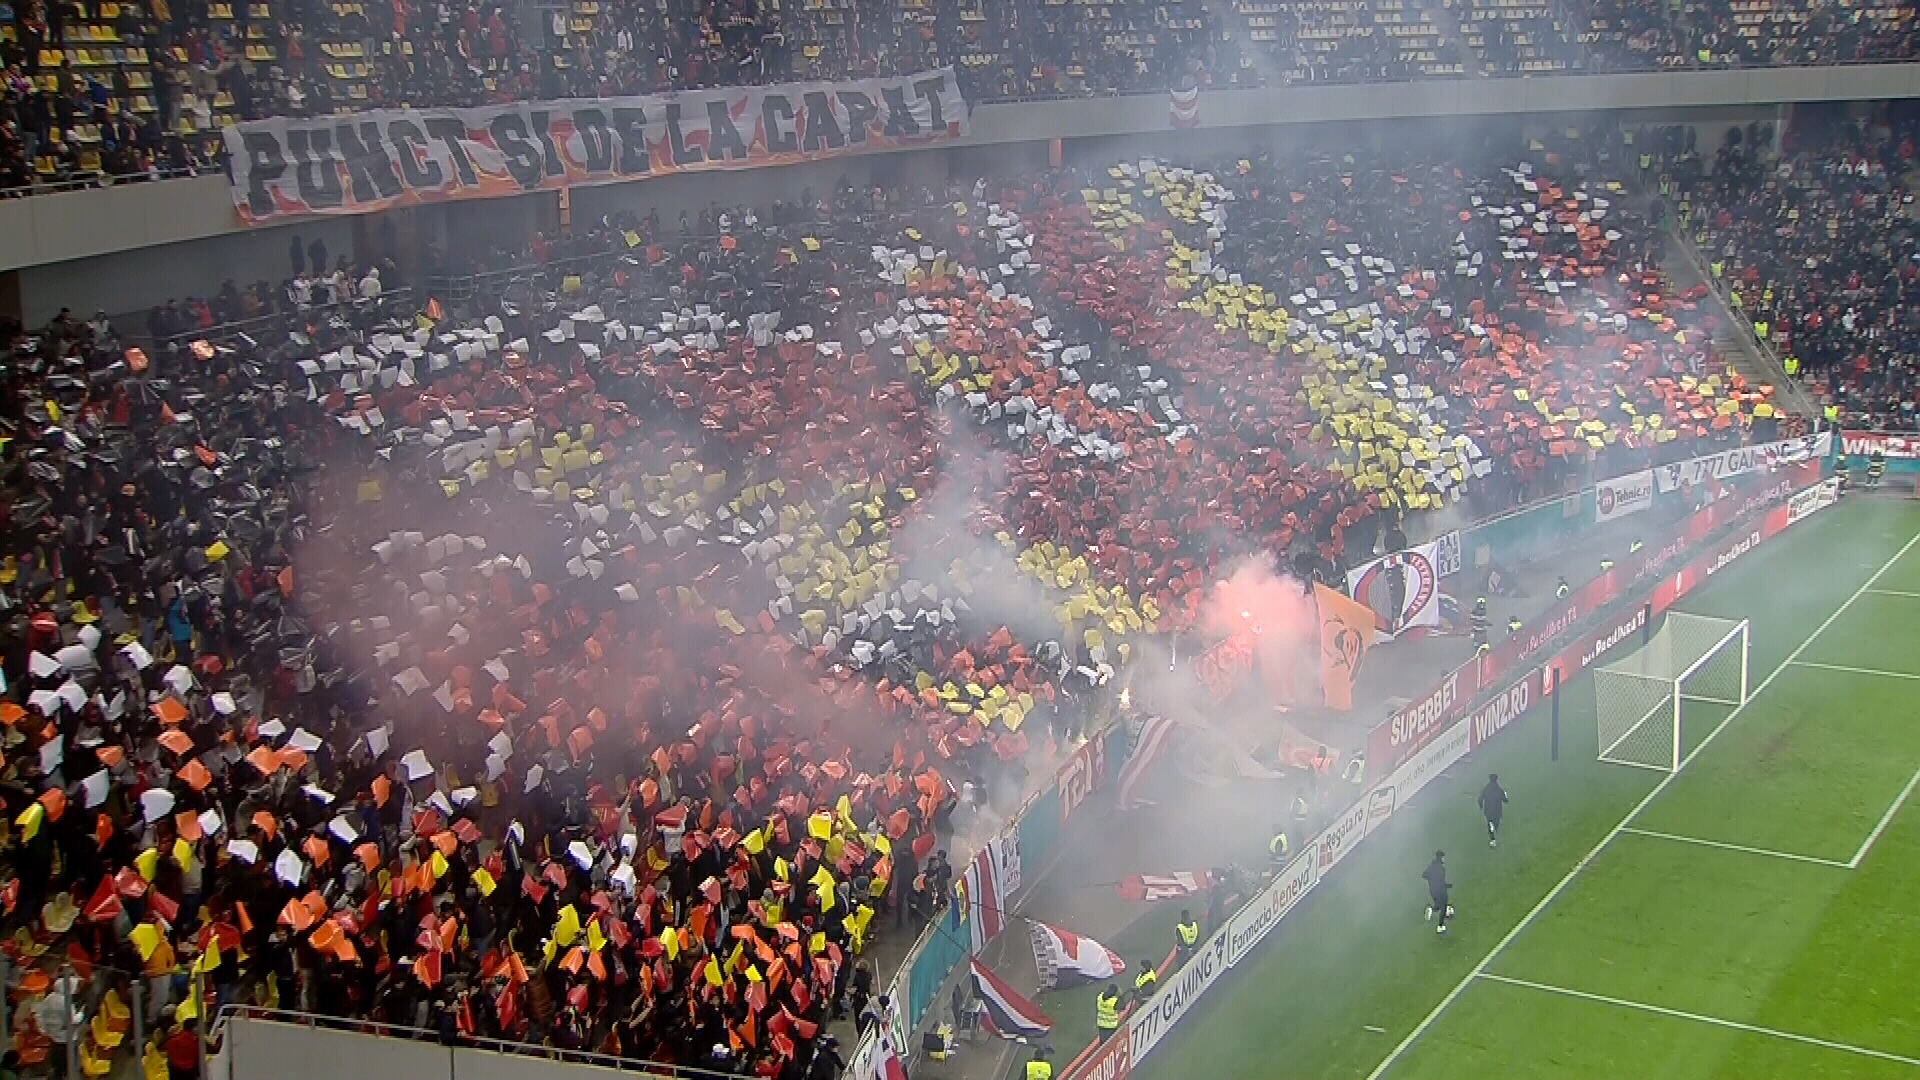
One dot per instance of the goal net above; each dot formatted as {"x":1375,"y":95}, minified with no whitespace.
{"x":1645,"y":701}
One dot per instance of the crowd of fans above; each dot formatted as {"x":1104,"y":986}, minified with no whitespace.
{"x":1819,"y":247}
{"x":121,"y":90}
{"x":603,"y":661}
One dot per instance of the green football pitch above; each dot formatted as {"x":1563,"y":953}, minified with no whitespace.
{"x":1754,"y":915}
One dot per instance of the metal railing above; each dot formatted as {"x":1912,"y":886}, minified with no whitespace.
{"x":222,"y":333}
{"x":92,"y":179}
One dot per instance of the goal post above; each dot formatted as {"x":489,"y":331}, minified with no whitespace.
{"x":1644,"y":702}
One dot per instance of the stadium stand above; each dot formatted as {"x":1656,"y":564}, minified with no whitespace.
{"x":123,"y":91}
{"x":1342,"y":42}
{"x":1630,"y":35}
{"x":1817,"y":247}
{"x":602,"y":656}
{"x":1766,"y":32}
{"x":1520,"y":37}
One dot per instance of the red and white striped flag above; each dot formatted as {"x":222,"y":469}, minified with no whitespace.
{"x":1152,"y":888}
{"x":1058,"y":952}
{"x":1008,"y":1014}
{"x":1147,"y":749}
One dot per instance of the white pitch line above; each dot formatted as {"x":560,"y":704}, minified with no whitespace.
{"x":1896,"y":592}
{"x":1633,"y":764}
{"x":1857,"y":670}
{"x":1885,"y":820}
{"x":1741,"y":847}
{"x":1553,"y":893}
{"x":1699,"y":1018}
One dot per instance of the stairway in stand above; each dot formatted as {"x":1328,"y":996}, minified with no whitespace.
{"x":1457,"y":55}
{"x":1734,"y":340}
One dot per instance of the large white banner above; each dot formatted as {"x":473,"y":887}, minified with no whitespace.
{"x":1342,"y":836}
{"x":1742,"y":460}
{"x":1806,"y":503}
{"x":1409,"y":778}
{"x":1417,"y":571}
{"x":1251,"y":923}
{"x":1862,"y":444}
{"x":1446,"y":554}
{"x":293,"y":167}
{"x":1624,"y":496}
{"x":1178,"y":994}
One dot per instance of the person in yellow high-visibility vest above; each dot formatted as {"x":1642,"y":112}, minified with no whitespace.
{"x":1106,"y":1011}
{"x":1279,"y":846}
{"x":1186,"y":934}
{"x":1040,"y":1068}
{"x":1146,"y":982}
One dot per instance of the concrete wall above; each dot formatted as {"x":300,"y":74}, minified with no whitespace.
{"x":1092,"y":117}
{"x":182,"y":238}
{"x":270,"y":1050}
{"x":673,"y":195}
{"x":76,"y":224}
{"x":265,"y":1050}
{"x":141,"y":277}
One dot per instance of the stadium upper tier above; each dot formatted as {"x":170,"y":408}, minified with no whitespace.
{"x":140,"y":89}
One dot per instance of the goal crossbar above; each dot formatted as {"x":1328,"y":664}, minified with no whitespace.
{"x":1641,"y":699}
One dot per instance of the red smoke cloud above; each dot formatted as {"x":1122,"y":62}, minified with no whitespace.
{"x":1275,"y":612}
{"x":1254,"y":599}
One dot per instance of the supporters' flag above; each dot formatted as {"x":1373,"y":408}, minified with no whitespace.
{"x":507,"y":1005}
{"x":105,"y":905}
{"x":992,"y":877}
{"x":1152,"y":888}
{"x":1008,"y":1015}
{"x":1057,"y":952}
{"x":1146,"y":749}
{"x":881,"y":1057}
{"x":891,"y":1067}
{"x":1221,"y":668}
{"x":1401,"y":589}
{"x":1346,"y":629}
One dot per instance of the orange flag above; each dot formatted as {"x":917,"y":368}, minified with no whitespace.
{"x":1346,"y":629}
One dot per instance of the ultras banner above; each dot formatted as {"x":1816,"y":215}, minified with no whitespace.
{"x":357,"y":164}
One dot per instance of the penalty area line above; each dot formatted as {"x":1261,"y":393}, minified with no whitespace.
{"x":1845,"y":670}
{"x":1701,"y":1018}
{"x":1886,"y":819}
{"x":1724,"y":846}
